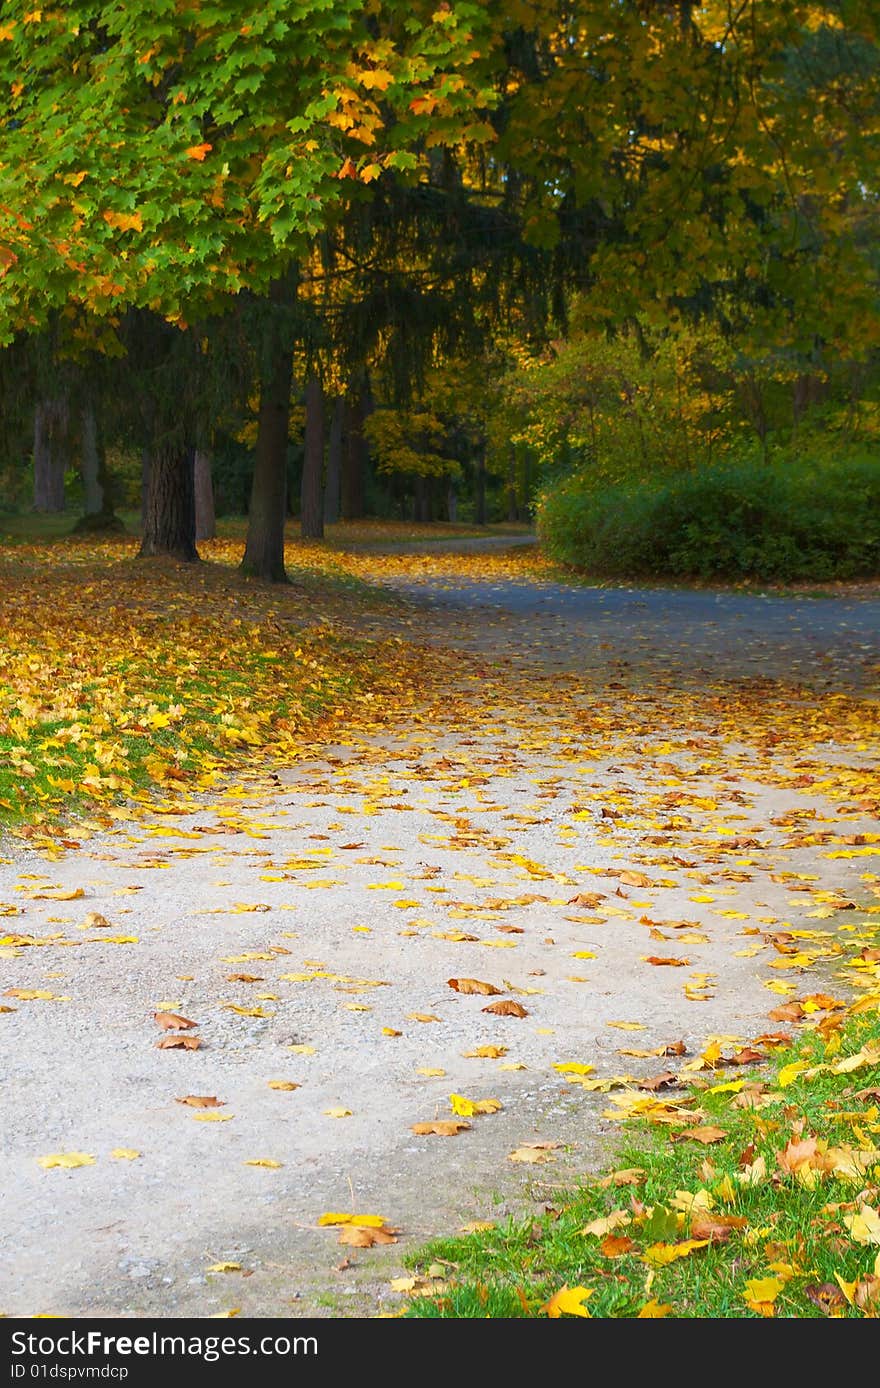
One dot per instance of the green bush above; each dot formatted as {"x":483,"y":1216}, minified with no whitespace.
{"x":786,"y":519}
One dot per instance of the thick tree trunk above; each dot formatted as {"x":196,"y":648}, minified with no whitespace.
{"x":51,"y":454}
{"x":170,"y":522}
{"x":334,"y":462}
{"x":354,"y":458}
{"x":480,"y":494}
{"x":98,"y":513}
{"x":311,"y":494}
{"x":206,"y":521}
{"x":145,"y":486}
{"x":264,"y":550}
{"x":90,"y":462}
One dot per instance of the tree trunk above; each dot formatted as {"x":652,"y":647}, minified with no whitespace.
{"x":334,"y":462}
{"x":452,"y":503}
{"x":423,"y":505}
{"x":354,"y":458}
{"x":98,"y":513}
{"x":170,"y":522}
{"x":90,"y":462}
{"x":206,"y":521}
{"x":145,"y":486}
{"x":311,"y":494}
{"x":51,"y":447}
{"x":480,"y":497}
{"x":512,"y":507}
{"x":264,"y":550}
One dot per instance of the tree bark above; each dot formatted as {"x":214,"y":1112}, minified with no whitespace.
{"x":480,"y":494}
{"x":354,"y":457}
{"x":311,"y":493}
{"x":51,"y":452}
{"x":264,"y":550}
{"x":452,"y":503}
{"x":334,"y":462}
{"x":170,"y":523}
{"x":512,"y":508}
{"x":145,"y":486}
{"x":98,"y":513}
{"x":206,"y":521}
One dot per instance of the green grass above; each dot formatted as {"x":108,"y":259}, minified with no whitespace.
{"x":794,"y":1233}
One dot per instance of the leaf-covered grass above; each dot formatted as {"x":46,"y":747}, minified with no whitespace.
{"x":780,"y":1215}
{"x":121,"y":679}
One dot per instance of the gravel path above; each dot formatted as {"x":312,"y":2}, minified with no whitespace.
{"x":702,"y":745}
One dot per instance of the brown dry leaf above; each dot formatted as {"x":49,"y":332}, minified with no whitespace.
{"x":181,"y":1043}
{"x":506,"y":1007}
{"x":589,"y":899}
{"x":627,"y":1176}
{"x":717,"y":1228}
{"x":473,"y":985}
{"x":201,"y":1101}
{"x":669,"y":962}
{"x":827,"y":1296}
{"x":634,"y":879}
{"x":533,"y":1153}
{"x":244,"y":978}
{"x":356,"y":1237}
{"x":665,"y":1081}
{"x":443,"y":1127}
{"x":172,"y":1021}
{"x":95,"y":921}
{"x":705,"y":1135}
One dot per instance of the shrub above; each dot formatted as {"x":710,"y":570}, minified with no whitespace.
{"x":788,"y":519}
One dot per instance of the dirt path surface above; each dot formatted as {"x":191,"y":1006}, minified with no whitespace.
{"x":637,"y":808}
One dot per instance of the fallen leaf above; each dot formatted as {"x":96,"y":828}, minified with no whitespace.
{"x":468,"y":1108}
{"x":473,"y":985}
{"x":172,"y":1021}
{"x":95,"y":921}
{"x":669,"y":961}
{"x":486,"y":1053}
{"x":654,"y":1310}
{"x":568,"y":1301}
{"x":125,"y":1154}
{"x":264,"y":1161}
{"x":864,"y":1227}
{"x":761,"y":1293}
{"x":184,"y":1043}
{"x":337,"y":1112}
{"x":607,"y":1223}
{"x":58,"y":894}
{"x":213,"y":1117}
{"x":66,"y":1159}
{"x":700,"y":1134}
{"x":357,"y":1237}
{"x":443,"y":1127}
{"x":287,"y":1085}
{"x":661,"y":1254}
{"x":506,"y":1007}
{"x":615,"y":1245}
{"x":201,"y":1101}
{"x":224,"y":1267}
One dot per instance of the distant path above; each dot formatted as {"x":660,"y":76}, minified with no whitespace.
{"x":693,"y":741}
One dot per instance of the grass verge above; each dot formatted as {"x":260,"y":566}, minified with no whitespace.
{"x":741,"y":1196}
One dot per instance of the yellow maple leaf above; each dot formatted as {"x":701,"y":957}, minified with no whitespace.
{"x":864,"y":1226}
{"x":761,"y":1293}
{"x":66,"y":1159}
{"x":659,"y":1255}
{"x":568,"y":1301}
